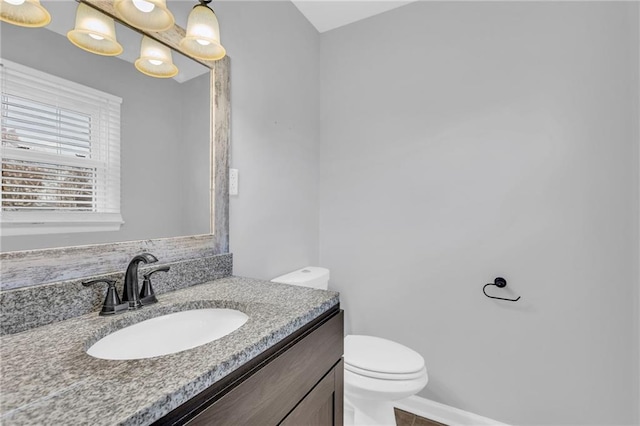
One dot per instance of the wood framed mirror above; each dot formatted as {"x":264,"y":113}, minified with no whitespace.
{"x":40,"y":266}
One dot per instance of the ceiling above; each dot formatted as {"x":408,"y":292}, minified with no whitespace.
{"x":326,"y":15}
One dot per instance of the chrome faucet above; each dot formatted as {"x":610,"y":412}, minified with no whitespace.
{"x":131,"y":293}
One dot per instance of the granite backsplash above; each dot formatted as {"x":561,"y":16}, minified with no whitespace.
{"x":29,"y":307}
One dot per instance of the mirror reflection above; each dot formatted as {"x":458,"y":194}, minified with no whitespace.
{"x":164,"y":133}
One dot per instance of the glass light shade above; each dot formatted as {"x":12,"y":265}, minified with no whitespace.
{"x":25,"y":13}
{"x":94,"y":32}
{"x":202,"y":40}
{"x":155,"y":59}
{"x":150,"y":15}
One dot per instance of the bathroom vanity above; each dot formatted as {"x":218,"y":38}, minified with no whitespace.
{"x":283,"y":366}
{"x":296,"y":382}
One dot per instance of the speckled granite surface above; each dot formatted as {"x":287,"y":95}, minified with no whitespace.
{"x":47,"y":378}
{"x":29,"y":307}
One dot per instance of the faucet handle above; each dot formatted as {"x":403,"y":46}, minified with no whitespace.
{"x":112,"y":304}
{"x":147,"y":295}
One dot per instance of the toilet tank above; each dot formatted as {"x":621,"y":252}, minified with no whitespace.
{"x":311,"y":276}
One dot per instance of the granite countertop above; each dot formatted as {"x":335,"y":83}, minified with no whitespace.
{"x":47,"y":378}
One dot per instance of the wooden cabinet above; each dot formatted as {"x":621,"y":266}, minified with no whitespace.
{"x":297,"y":382}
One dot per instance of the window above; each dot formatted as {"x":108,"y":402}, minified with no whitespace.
{"x":60,"y":155}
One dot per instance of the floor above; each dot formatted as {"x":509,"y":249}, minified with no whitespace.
{"x":404,"y":418}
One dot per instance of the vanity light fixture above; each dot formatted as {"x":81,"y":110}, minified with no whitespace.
{"x":155,"y":59}
{"x":94,"y":32}
{"x":202,"y":40}
{"x":149,"y":15}
{"x":25,"y":13}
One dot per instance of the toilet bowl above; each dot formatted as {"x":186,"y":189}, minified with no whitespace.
{"x":377,"y":371}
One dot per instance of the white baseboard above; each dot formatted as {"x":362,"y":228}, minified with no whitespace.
{"x":443,"y":413}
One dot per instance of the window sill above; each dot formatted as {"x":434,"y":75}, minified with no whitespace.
{"x":13,"y":224}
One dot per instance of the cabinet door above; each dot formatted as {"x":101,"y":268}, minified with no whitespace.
{"x":323,"y":405}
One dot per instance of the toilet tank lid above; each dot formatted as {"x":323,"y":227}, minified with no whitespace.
{"x":381,"y":355}
{"x":310,"y":276}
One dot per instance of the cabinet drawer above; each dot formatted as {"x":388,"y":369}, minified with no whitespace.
{"x":269,"y":394}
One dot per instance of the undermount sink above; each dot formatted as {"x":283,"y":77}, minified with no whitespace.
{"x":168,"y":334}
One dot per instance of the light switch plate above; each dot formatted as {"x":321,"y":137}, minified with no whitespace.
{"x":233,"y":181}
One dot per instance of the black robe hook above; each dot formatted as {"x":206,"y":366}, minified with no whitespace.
{"x":500,"y":283}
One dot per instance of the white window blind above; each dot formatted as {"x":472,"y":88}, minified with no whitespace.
{"x":60,"y":154}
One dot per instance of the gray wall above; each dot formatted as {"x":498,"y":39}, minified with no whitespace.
{"x":464,"y":141}
{"x":152,"y":147}
{"x":274,"y":136}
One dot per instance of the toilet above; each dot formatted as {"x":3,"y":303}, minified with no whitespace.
{"x":377,"y":371}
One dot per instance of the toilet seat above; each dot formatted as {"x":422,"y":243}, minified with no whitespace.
{"x":376,"y":357}
{"x":385,"y":376}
